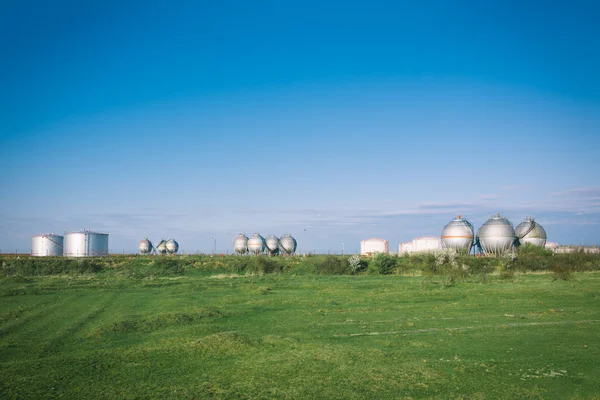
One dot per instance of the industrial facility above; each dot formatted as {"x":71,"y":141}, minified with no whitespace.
{"x":421,"y":244}
{"x":85,"y":244}
{"x":47,"y":245}
{"x":373,"y":246}
{"x":286,"y":245}
{"x":164,"y":247}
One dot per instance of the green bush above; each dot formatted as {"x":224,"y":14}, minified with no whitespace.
{"x":332,"y":265}
{"x":382,"y":264}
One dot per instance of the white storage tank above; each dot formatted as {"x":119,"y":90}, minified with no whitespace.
{"x":458,"y":234}
{"x":162,"y":247}
{"x":172,"y":246}
{"x":47,"y":245}
{"x":145,"y":246}
{"x":85,"y":244}
{"x":421,"y":245}
{"x":272,"y":245}
{"x":496,"y":235}
{"x":529,"y":231}
{"x":240,"y":244}
{"x":256,"y":244}
{"x":374,"y":246}
{"x":288,"y":244}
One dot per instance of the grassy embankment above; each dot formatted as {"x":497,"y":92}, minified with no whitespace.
{"x":172,"y":331}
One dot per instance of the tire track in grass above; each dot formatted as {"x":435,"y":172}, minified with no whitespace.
{"x":62,"y":335}
{"x":465,"y":328}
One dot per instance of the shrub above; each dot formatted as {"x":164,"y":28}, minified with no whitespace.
{"x":262,"y":265}
{"x":382,"y":264}
{"x":332,"y":265}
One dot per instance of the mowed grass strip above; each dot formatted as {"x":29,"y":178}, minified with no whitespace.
{"x":282,"y":336}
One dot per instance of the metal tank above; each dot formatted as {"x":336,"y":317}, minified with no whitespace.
{"x":272,"y":244}
{"x":172,"y":246}
{"x":256,"y":244}
{"x":162,"y":247}
{"x":496,"y":235}
{"x":458,"y":234}
{"x":145,"y":246}
{"x":240,"y":244}
{"x":288,"y":244}
{"x":85,"y":244}
{"x":47,"y":244}
{"x":531,"y":232}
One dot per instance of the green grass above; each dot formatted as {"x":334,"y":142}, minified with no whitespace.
{"x":306,"y":336}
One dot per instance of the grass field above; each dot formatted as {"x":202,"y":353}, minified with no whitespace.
{"x":286,"y":336}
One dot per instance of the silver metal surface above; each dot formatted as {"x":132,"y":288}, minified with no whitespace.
{"x":172,"y":246}
{"x":531,"y":232}
{"x":458,"y":234}
{"x":288,"y":244}
{"x":162,"y":247}
{"x":240,"y":244}
{"x":85,"y":244}
{"x":145,"y":246}
{"x":48,"y":244}
{"x":256,"y":244}
{"x":496,"y":235}
{"x":272,"y":244}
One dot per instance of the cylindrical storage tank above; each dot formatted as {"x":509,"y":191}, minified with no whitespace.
{"x":374,"y":246}
{"x":288,"y":244}
{"x":172,"y":246}
{"x":458,"y":234}
{"x":531,"y":232}
{"x":47,"y":244}
{"x":496,"y":235}
{"x":272,"y":244}
{"x":162,"y":247}
{"x":85,"y":244}
{"x":240,"y":244}
{"x":145,"y":246}
{"x":256,"y":244}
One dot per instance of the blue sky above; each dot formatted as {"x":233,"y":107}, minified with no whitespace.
{"x":333,"y":121}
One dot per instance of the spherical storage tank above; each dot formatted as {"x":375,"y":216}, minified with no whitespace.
{"x":288,"y":244}
{"x":256,"y":244}
{"x":172,"y":246}
{"x":458,"y":234}
{"x":496,"y":235}
{"x":47,"y":244}
{"x":531,"y":232}
{"x":145,"y":246}
{"x":272,"y":244}
{"x":162,"y":247}
{"x":85,"y":244}
{"x":240,"y":244}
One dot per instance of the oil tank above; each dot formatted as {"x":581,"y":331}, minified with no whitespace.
{"x":172,"y":246}
{"x":496,"y":235}
{"x":240,"y":244}
{"x":272,"y":244}
{"x":145,"y":246}
{"x":162,"y":247}
{"x":47,"y":244}
{"x":458,"y":234}
{"x":256,"y":244}
{"x":85,"y":244}
{"x":288,"y":244}
{"x":531,"y":232}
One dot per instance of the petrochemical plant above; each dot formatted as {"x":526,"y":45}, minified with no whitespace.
{"x":286,"y":245}
{"x":495,"y":236}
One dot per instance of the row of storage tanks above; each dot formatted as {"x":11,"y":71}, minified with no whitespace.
{"x":495,"y":236}
{"x":271,"y":245}
{"x":72,"y":244}
{"x":163,"y":247}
